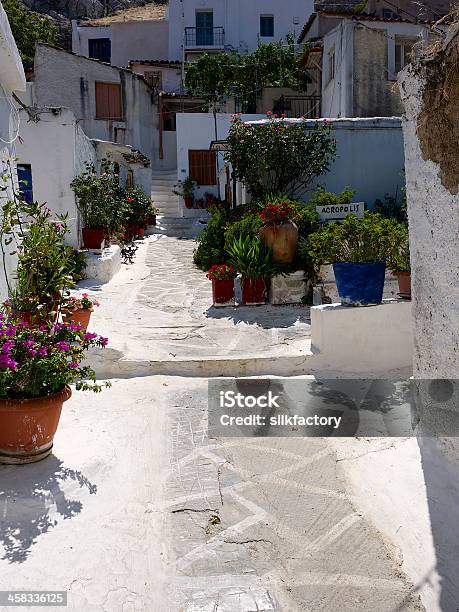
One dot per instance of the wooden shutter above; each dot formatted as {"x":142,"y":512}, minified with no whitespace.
{"x":108,"y":101}
{"x":203,"y":166}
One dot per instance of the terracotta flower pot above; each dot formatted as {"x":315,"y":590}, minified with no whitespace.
{"x":189,"y":201}
{"x":140,"y":232}
{"x":26,"y":316}
{"x":404,"y":284}
{"x":282,"y":238}
{"x":80,"y":317}
{"x":93,"y":238}
{"x":253,"y":291}
{"x":151,"y":220}
{"x":223,"y":292}
{"x":27,"y":427}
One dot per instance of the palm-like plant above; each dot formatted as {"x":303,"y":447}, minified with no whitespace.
{"x":251,"y":258}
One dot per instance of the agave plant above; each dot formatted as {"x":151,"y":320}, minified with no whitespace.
{"x":251,"y":258}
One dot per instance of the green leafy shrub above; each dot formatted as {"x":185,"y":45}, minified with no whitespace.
{"x":390,"y":208}
{"x":99,"y":198}
{"x":211,"y":243}
{"x":249,"y":226}
{"x":278,"y":156}
{"x":325,"y":198}
{"x":399,"y":257}
{"x":354,"y":240}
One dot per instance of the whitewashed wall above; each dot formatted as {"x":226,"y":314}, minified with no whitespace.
{"x":239,"y":18}
{"x":65,"y":79}
{"x":197,"y":131}
{"x":12,"y":78}
{"x":67,"y":149}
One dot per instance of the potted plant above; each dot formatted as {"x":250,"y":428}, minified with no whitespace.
{"x":138,"y":207}
{"x":255,"y":264}
{"x":37,"y":365}
{"x":222,"y":277}
{"x":78,"y":310}
{"x":98,"y":201}
{"x":357,"y":248}
{"x":185,"y":189}
{"x":278,"y":232}
{"x":399,"y":259}
{"x":45,"y":265}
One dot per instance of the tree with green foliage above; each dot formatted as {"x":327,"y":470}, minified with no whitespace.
{"x":28,"y":29}
{"x":278,"y":156}
{"x":243,"y":76}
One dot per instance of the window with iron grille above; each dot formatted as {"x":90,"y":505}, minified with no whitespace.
{"x":100,"y":48}
{"x":109,"y":103}
{"x":203,"y":166}
{"x":267,"y":25}
{"x":154,"y":78}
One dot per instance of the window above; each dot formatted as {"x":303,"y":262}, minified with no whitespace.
{"x":204,"y":28}
{"x":108,"y":101}
{"x":100,"y":48}
{"x":267,"y":25}
{"x":403,"y":51}
{"x":130,"y":179}
{"x":203,"y":166}
{"x":331,"y":65}
{"x":25,"y":182}
{"x":388,"y":14}
{"x":154,"y":78}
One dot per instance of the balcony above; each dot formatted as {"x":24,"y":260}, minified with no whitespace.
{"x":203,"y":38}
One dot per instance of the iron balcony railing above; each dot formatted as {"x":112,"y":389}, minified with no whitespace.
{"x":299,"y":106}
{"x":204,"y":37}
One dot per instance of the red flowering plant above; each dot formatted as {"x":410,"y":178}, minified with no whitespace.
{"x":37,"y":362}
{"x":274,"y":213}
{"x":221,"y":272}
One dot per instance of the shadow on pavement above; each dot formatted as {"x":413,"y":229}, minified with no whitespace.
{"x":32,"y":502}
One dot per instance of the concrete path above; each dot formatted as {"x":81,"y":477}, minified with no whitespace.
{"x":137,"y":510}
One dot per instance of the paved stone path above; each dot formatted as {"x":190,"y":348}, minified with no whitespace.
{"x":137,"y":510}
{"x":159,"y":313}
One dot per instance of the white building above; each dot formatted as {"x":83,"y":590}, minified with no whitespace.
{"x":197,"y":26}
{"x":12,"y":79}
{"x":357,"y":58}
{"x":137,"y":33}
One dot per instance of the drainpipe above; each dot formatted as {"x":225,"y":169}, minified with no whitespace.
{"x":161,"y":125}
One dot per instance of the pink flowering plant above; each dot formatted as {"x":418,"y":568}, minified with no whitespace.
{"x":82,"y":302}
{"x":37,"y":362}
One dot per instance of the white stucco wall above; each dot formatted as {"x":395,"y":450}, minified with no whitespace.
{"x":197,"y":131}
{"x":12,"y":78}
{"x":434,"y":229}
{"x":147,"y":40}
{"x":239,"y":18}
{"x":65,"y":79}
{"x":82,"y":34}
{"x":337,"y":94}
{"x":67,"y":149}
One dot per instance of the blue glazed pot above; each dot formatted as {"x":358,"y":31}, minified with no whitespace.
{"x":360,"y":284}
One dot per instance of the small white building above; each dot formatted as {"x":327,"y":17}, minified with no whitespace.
{"x":111,"y":104}
{"x":197,"y":26}
{"x":358,"y":56}
{"x":12,"y":79}
{"x":136,"y":33}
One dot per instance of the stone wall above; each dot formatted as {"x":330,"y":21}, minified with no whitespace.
{"x":374,"y":94}
{"x":431,"y":134}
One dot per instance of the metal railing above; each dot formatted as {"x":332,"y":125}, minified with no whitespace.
{"x":204,"y":37}
{"x":301,"y":106}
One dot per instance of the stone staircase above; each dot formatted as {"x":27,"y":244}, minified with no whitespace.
{"x":171,"y":220}
{"x":162,"y":195}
